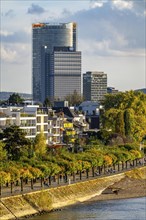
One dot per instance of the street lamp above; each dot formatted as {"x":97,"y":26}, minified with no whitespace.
{"x":142,"y":150}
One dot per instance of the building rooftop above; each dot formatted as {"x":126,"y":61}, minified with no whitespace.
{"x":89,"y":103}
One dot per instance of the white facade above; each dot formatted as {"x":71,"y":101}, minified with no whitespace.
{"x":31,"y":119}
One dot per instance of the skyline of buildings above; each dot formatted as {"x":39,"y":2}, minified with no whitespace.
{"x":111,"y":37}
{"x":56,"y":63}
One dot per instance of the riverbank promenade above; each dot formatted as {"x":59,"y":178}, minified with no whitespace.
{"x":60,"y":180}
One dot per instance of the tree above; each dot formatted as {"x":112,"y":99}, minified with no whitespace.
{"x":15,"y":99}
{"x":131,"y":120}
{"x":47,"y":102}
{"x":119,"y":126}
{"x":74,"y":99}
{"x":15,"y":142}
{"x":3,"y":152}
{"x":40,"y":148}
{"x":128,"y":118}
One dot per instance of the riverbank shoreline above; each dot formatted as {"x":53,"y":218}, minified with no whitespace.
{"x":127,"y":188}
{"x":130,"y":184}
{"x":107,"y":194}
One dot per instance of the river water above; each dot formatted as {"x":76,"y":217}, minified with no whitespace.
{"x":124,"y":209}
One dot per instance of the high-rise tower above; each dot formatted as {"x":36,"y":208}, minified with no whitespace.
{"x":94,"y":86}
{"x":56,"y":61}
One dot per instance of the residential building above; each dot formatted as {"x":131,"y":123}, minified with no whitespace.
{"x":69,"y":133}
{"x":56,"y":61}
{"x":94,"y":86}
{"x":31,"y":119}
{"x":55,"y":127}
{"x":112,"y":90}
{"x":76,"y":118}
{"x":91,"y":110}
{"x":61,"y":104}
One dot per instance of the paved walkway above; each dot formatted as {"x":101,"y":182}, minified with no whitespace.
{"x":16,"y":190}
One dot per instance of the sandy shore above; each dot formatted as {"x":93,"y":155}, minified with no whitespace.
{"x":125,"y":188}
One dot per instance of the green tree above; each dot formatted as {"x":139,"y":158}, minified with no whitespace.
{"x":47,"y":102}
{"x":119,"y":125}
{"x":130,"y":104}
{"x":3,"y":152}
{"x":15,"y":142}
{"x":74,"y":99}
{"x":40,"y":147}
{"x":15,"y":98}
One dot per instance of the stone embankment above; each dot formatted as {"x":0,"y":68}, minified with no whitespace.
{"x":33,"y":203}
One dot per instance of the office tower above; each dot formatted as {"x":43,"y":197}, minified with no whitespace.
{"x":94,"y":86}
{"x":56,"y":61}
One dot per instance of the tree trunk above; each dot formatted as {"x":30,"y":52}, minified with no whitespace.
{"x":50,"y":180}
{"x":87,"y":174}
{"x":104,"y":169}
{"x":80,"y":175}
{"x":58,"y":179}
{"x":122,"y":165}
{"x":41,"y":182}
{"x":26,"y":181}
{"x":118,"y":167}
{"x":21,"y":184}
{"x":11,"y":187}
{"x":0,"y":189}
{"x":74,"y":177}
{"x":17,"y":183}
{"x":99,"y":170}
{"x":66,"y":178}
{"x":93,"y":171}
{"x":31,"y":183}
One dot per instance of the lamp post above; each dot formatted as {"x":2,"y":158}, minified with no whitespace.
{"x":142,"y":150}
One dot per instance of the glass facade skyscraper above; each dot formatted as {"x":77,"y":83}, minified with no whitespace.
{"x":94,"y":86}
{"x":56,"y":63}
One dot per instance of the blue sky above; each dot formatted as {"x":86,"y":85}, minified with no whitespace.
{"x":111,"y":36}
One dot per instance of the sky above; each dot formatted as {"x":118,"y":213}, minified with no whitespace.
{"x":111,"y":37}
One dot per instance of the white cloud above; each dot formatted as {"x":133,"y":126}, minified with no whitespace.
{"x":105,"y":37}
{"x":5,"y":33}
{"x":118,"y":39}
{"x":108,"y":48}
{"x":35,"y":9}
{"x":139,"y":7}
{"x":122,"y":4}
{"x":17,"y":53}
{"x":7,"y":54}
{"x":96,"y":4}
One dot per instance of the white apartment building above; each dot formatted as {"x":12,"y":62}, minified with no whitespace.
{"x":32,"y":119}
{"x":55,"y":128}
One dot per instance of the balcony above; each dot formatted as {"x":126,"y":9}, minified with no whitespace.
{"x":27,"y":125}
{"x":26,"y":115}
